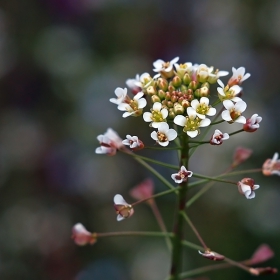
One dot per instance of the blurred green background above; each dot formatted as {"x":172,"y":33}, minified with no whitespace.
{"x":60,"y":62}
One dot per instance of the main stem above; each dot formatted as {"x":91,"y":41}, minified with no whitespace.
{"x":176,"y":262}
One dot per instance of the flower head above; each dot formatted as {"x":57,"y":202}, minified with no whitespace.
{"x":121,"y":94}
{"x":238,"y":76}
{"x":133,"y":142}
{"x":165,"y":68}
{"x":133,"y":84}
{"x":218,"y":137}
{"x":191,"y":123}
{"x":123,"y":209}
{"x":157,"y":115}
{"x":164,"y":134}
{"x":202,"y":107}
{"x":144,"y":190}
{"x":271,"y":166}
{"x":240,"y":155}
{"x":246,"y":187}
{"x":229,"y":93}
{"x":208,"y":254}
{"x":252,"y":124}
{"x":233,"y":111}
{"x":81,"y":236}
{"x":110,"y":142}
{"x":182,"y":175}
{"x":133,"y":107}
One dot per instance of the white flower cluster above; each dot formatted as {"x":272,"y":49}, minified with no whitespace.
{"x":180,"y":95}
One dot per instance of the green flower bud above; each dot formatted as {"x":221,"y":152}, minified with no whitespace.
{"x":162,"y":84}
{"x":206,"y":85}
{"x":169,"y":104}
{"x":176,"y":82}
{"x":161,"y":94}
{"x":171,"y":113}
{"x":204,"y":91}
{"x":178,"y":109}
{"x":167,"y":96}
{"x":183,"y":89}
{"x":193,"y":85}
{"x":186,"y":79}
{"x":155,"y":98}
{"x":171,"y":88}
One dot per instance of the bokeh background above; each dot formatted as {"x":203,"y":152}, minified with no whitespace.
{"x":60,"y":62}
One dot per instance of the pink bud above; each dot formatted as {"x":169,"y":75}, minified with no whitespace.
{"x":240,"y":155}
{"x":143,"y":190}
{"x":252,"y":124}
{"x":81,"y":236}
{"x":262,"y":254}
{"x":263,"y":270}
{"x":212,"y":255}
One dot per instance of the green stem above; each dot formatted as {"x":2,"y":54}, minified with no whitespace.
{"x":235,"y":132}
{"x":195,"y":230}
{"x":162,"y":148}
{"x":153,"y":161}
{"x":212,"y":179}
{"x":176,"y":261}
{"x":134,"y":233}
{"x":217,"y":122}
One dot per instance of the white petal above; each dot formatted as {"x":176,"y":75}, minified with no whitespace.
{"x":236,"y":99}
{"x":157,"y":106}
{"x":225,"y":136}
{"x":228,"y":104}
{"x":180,"y":120}
{"x":164,"y":113}
{"x":241,"y":106}
{"x":164,"y":144}
{"x":120,"y":91}
{"x":163,"y":127}
{"x":127,"y":114}
{"x":120,"y":218}
{"x":154,"y":135}
{"x":155,"y":124}
{"x":226,"y":116}
{"x":241,"y":119}
{"x":222,"y":73}
{"x":124,"y":107}
{"x":236,"y":89}
{"x":174,"y":60}
{"x":249,"y":194}
{"x":114,"y":100}
{"x":246,"y":77}
{"x":204,"y":100}
{"x":138,"y":95}
{"x":221,"y":83}
{"x":211,"y":112}
{"x":171,"y":134}
{"x":201,"y":116}
{"x":147,"y":116}
{"x":220,"y":91}
{"x":192,"y":134}
{"x":195,"y":103}
{"x":191,"y":112}
{"x":119,"y":200}
{"x":256,"y":187}
{"x":204,"y":123}
{"x":142,"y":103}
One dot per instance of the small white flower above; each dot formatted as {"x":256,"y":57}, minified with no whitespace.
{"x":182,"y":69}
{"x":162,"y":66}
{"x":121,"y":94}
{"x":133,"y":107}
{"x":205,"y":73}
{"x":218,"y":137}
{"x":182,"y":175}
{"x":191,"y":123}
{"x":133,"y":84}
{"x":164,"y":134}
{"x":233,"y":111}
{"x":144,"y":80}
{"x":110,"y":142}
{"x":238,"y":76}
{"x":201,"y":107}
{"x":228,"y":93}
{"x":123,"y":209}
{"x":157,"y":115}
{"x":133,"y":142}
{"x":252,"y":124}
{"x":246,"y":187}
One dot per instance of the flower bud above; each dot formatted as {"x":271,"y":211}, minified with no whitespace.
{"x":155,"y":98}
{"x":252,"y":124}
{"x":183,"y":89}
{"x":186,"y":79}
{"x":174,"y":98}
{"x":162,"y":84}
{"x":143,"y":190}
{"x":193,"y":85}
{"x":171,"y":113}
{"x":81,"y":236}
{"x":169,"y":104}
{"x":178,"y":109}
{"x":161,"y":94}
{"x":171,"y":88}
{"x":204,"y":91}
{"x":240,"y":155}
{"x":185,"y":103}
{"x":176,"y":82}
{"x":263,"y":270}
{"x":167,"y":96}
{"x":262,"y":254}
{"x":151,"y":90}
